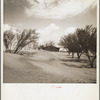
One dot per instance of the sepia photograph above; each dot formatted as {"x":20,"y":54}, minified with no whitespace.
{"x":50,"y":41}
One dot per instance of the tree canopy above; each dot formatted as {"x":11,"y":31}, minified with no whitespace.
{"x":83,"y":40}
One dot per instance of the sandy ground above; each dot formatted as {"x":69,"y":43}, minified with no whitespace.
{"x":46,"y":67}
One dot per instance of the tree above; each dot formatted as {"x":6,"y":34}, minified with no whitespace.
{"x":41,"y":47}
{"x":26,"y":38}
{"x":87,"y":41}
{"x":82,"y":41}
{"x":89,"y":46}
{"x":66,"y":43}
{"x":7,"y":39}
{"x":35,"y":45}
{"x":71,"y":42}
{"x":49,"y":43}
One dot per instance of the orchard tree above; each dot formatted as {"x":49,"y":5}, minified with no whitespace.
{"x":89,"y":46}
{"x":8,"y":36}
{"x":71,"y":42}
{"x":87,"y":40}
{"x":82,"y":41}
{"x":25,"y":38}
{"x":66,"y":42}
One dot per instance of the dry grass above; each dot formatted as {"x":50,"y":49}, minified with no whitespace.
{"x":46,"y":67}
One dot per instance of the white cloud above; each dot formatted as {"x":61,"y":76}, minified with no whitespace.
{"x":53,"y":33}
{"x":70,"y":30}
{"x":49,"y":29}
{"x":60,"y":9}
{"x":8,"y":27}
{"x":48,"y":33}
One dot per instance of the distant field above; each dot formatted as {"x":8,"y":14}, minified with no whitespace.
{"x":46,"y":67}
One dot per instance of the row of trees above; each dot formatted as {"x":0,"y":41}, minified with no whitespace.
{"x":82,"y":41}
{"x":20,"y":40}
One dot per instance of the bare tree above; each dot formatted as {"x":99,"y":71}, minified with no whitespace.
{"x":7,"y":39}
{"x":26,"y":38}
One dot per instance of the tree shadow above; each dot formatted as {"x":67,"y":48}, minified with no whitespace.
{"x":75,"y":60}
{"x":76,"y":66}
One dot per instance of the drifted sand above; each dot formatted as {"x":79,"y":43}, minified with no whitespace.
{"x":46,"y":67}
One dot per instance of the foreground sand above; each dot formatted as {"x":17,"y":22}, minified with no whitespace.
{"x":46,"y":67}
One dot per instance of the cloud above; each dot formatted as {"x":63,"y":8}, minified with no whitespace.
{"x":53,"y":33}
{"x":8,"y":27}
{"x":70,"y":30}
{"x":49,"y":29}
{"x":58,"y":9}
{"x":48,"y":33}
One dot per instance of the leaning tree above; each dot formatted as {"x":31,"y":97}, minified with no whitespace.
{"x":25,"y":38}
{"x":8,"y":36}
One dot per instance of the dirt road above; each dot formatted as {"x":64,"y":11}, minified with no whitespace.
{"x":46,"y":67}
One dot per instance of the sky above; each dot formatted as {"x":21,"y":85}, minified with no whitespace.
{"x":51,"y":18}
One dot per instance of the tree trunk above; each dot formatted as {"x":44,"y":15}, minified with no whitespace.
{"x":69,"y":53}
{"x":19,"y":49}
{"x":16,"y":50}
{"x":72,"y":54}
{"x":91,"y":61}
{"x":79,"y":55}
{"x":91,"y":64}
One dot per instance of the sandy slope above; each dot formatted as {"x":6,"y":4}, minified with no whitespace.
{"x":46,"y":67}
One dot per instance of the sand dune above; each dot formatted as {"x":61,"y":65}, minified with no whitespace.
{"x":46,"y":67}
